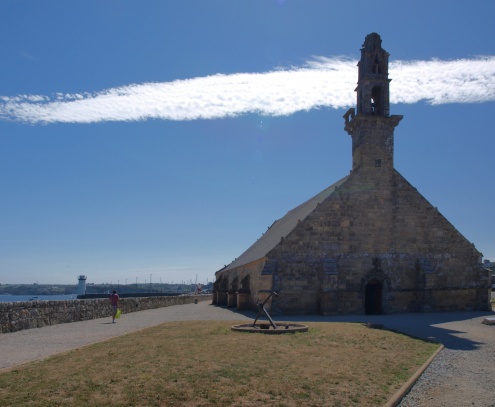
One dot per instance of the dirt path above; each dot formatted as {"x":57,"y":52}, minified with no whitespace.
{"x":38,"y":343}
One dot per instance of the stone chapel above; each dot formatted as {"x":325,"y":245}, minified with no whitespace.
{"x":370,"y":243}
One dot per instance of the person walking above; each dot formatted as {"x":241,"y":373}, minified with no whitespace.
{"x":114,"y":301}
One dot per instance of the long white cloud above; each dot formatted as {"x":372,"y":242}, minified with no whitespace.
{"x":322,"y":82}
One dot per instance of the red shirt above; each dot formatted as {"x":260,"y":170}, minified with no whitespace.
{"x":114,"y":299}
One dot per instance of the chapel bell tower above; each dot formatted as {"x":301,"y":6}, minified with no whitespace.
{"x":373,"y":83}
{"x":371,"y":126}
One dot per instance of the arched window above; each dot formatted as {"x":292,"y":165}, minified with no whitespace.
{"x":376,"y":101}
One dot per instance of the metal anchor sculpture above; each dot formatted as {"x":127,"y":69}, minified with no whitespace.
{"x":261,"y":308}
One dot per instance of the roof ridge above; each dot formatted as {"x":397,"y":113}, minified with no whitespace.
{"x":282,"y":227}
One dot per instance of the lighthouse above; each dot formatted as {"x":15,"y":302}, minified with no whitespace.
{"x":81,"y":289}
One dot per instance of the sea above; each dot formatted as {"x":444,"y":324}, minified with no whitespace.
{"x":18,"y":298}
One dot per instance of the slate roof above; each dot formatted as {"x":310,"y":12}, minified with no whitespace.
{"x":281,"y":228}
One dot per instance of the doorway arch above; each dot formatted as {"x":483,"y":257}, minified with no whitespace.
{"x":373,"y":297}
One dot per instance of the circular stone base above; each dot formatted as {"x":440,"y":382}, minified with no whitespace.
{"x":264,"y":328}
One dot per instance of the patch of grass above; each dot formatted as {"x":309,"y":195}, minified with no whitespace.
{"x":206,"y":364}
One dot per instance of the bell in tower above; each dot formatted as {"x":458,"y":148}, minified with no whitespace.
{"x":373,"y":83}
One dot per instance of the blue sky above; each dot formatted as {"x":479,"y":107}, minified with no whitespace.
{"x":162,"y":138}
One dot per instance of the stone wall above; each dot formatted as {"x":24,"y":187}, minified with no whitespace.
{"x":16,"y":316}
{"x":372,"y":245}
{"x":376,"y":227}
{"x":241,"y":288}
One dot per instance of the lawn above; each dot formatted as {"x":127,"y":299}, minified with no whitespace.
{"x":207,"y":364}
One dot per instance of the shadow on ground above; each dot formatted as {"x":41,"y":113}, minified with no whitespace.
{"x":446,"y":328}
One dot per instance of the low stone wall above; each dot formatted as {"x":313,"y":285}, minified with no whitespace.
{"x":16,"y":316}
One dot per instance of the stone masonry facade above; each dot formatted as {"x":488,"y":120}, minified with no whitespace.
{"x":383,"y":232}
{"x":370,"y":243}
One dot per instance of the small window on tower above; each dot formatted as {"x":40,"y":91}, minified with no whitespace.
{"x":378,"y":163}
{"x":376,"y":66}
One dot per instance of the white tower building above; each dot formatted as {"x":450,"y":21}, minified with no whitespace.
{"x":81,"y":289}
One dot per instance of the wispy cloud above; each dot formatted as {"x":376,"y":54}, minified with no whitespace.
{"x":438,"y":82}
{"x":321,"y":82}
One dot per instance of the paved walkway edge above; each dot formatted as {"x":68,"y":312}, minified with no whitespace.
{"x":399,"y":395}
{"x":20,"y":365}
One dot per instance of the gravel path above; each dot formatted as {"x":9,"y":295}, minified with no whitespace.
{"x":463,"y":374}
